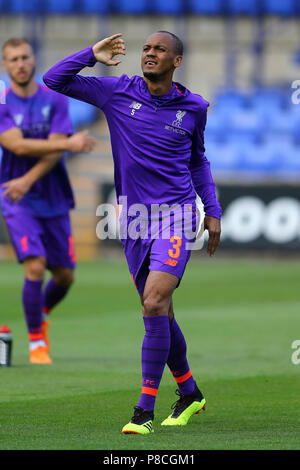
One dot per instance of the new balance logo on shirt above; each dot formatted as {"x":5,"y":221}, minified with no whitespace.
{"x":135,"y":105}
{"x":171,"y":262}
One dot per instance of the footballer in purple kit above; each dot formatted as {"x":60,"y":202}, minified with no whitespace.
{"x":157,"y":137}
{"x":36,"y":195}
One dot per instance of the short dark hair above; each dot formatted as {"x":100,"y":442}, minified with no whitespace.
{"x":178,"y":44}
{"x":15,"y":42}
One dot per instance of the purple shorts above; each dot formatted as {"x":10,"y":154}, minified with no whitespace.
{"x":168,"y":251}
{"x":48,"y":237}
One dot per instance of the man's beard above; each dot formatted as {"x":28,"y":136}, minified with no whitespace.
{"x":152,"y":76}
{"x":155,"y":76}
{"x":25,"y":83}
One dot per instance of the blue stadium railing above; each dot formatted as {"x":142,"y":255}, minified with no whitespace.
{"x":135,"y":7}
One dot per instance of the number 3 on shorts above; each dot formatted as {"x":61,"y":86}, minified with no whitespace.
{"x":177,"y":242}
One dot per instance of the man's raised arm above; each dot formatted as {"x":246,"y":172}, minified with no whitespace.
{"x":63,"y":77}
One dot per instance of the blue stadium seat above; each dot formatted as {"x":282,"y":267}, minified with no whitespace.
{"x":230,"y":119}
{"x":222,"y":156}
{"x":95,"y":6}
{"x":280,"y":7}
{"x":130,"y":7}
{"x":230,"y":99}
{"x":81,"y":113}
{"x":268,"y":101}
{"x":206,"y":7}
{"x":244,"y":119}
{"x":296,"y":55}
{"x":281,"y":122}
{"x":23,"y":6}
{"x":295,"y":118}
{"x":215,"y":122}
{"x":60,"y":7}
{"x":259,"y":158}
{"x":13,"y":6}
{"x":265,"y":109}
{"x":244,"y":7}
{"x":4,"y":78}
{"x":290,"y":162}
{"x":288,"y":155}
{"x":242,"y":126}
{"x":168,"y":7}
{"x":246,"y":136}
{"x":256,"y":134}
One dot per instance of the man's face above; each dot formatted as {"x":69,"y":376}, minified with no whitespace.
{"x":19,"y":62}
{"x":158,"y":56}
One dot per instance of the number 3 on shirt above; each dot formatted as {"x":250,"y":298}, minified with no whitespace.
{"x":177,"y":242}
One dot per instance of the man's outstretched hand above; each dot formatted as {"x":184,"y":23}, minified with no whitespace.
{"x":105,"y":50}
{"x":81,"y":142}
{"x":213,"y":226}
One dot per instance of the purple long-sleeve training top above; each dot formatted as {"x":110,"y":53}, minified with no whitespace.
{"x":158,"y":151}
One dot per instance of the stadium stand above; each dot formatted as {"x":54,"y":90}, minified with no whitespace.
{"x":131,"y":8}
{"x":209,"y":7}
{"x":286,"y":8}
{"x":168,"y":7}
{"x":92,"y":7}
{"x":252,"y":131}
{"x":254,"y":134}
{"x":278,"y":7}
{"x":20,"y":6}
{"x":246,"y":7}
{"x":57,"y":6}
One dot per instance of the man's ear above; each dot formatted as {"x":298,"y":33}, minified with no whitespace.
{"x":178,"y":61}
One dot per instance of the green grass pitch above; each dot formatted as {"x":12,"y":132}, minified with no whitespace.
{"x":240,"y":319}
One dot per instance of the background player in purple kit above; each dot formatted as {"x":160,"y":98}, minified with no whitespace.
{"x":156,"y":128}
{"x":36,"y":195}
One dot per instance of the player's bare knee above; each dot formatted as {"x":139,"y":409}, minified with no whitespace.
{"x":34,"y":268}
{"x":154,"y":305}
{"x":64,"y":277}
{"x":68,"y":280}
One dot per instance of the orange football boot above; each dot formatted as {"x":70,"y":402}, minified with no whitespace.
{"x":40,"y":356}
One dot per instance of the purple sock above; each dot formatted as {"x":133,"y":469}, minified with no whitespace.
{"x":177,"y":360}
{"x":155,"y":351}
{"x":32,"y":298}
{"x":52,"y":295}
